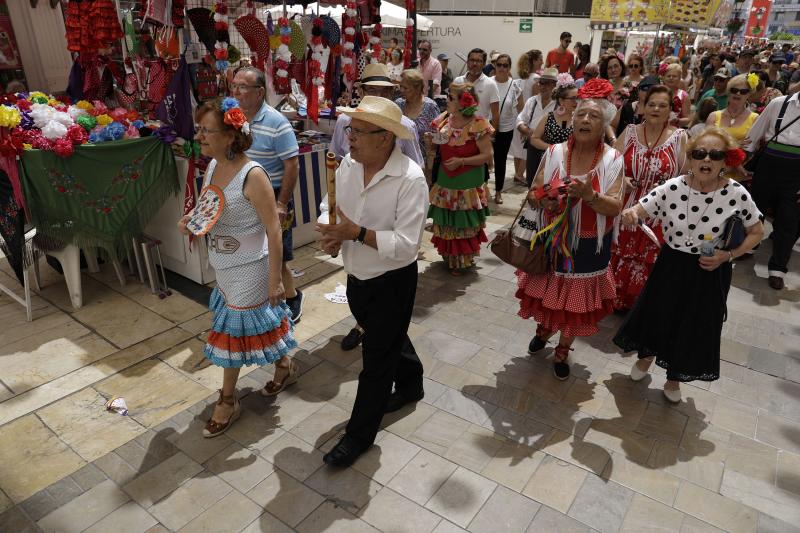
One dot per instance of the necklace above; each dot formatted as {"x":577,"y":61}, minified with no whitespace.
{"x":689,"y":240}
{"x":649,"y":152}
{"x":733,"y":118}
{"x":597,"y":153}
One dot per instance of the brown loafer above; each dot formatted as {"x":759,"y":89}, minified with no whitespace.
{"x":775,"y":282}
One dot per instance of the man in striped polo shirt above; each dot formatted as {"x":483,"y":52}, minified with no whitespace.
{"x":275,"y":148}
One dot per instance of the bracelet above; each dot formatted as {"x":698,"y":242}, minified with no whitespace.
{"x":730,"y":259}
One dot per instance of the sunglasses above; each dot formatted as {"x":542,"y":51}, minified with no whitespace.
{"x":503,"y":65}
{"x":715,"y":155}
{"x":634,"y":65}
{"x":734,"y":90}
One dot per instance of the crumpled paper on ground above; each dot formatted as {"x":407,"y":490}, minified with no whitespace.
{"x":338,"y":296}
{"x":117,"y":405}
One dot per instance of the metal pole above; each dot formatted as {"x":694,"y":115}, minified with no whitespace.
{"x":413,"y":16}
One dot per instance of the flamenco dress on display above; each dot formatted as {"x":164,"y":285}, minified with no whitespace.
{"x":574,"y":301}
{"x":633,"y":256}
{"x":458,"y":198}
{"x":246,"y":329}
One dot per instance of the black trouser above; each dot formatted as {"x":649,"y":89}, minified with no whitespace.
{"x":383,"y":306}
{"x":776,"y":183}
{"x":533,"y":158}
{"x":502,"y":143}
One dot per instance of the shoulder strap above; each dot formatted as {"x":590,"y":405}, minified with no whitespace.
{"x":209,"y":172}
{"x":778,"y":122}
{"x":510,"y":85}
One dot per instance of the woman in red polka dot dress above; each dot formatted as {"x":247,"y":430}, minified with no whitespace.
{"x":578,"y":292}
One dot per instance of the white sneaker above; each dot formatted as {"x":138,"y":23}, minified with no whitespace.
{"x":674,"y":396}
{"x":636,"y":373}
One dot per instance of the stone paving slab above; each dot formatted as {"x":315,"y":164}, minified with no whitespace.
{"x":496,"y":445}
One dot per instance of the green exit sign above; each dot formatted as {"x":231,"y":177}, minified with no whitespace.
{"x":526,"y":25}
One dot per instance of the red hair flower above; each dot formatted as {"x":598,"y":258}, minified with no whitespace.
{"x":466,"y":99}
{"x":735,"y":157}
{"x":235,"y":118}
{"x":596,"y":88}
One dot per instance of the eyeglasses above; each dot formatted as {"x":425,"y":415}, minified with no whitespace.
{"x":734,"y":90}
{"x":503,"y":65}
{"x":205,"y":131}
{"x":353,"y":132}
{"x":715,"y":155}
{"x":242,"y":87}
{"x":634,"y":65}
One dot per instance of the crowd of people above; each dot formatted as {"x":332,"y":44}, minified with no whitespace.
{"x":644,"y":186}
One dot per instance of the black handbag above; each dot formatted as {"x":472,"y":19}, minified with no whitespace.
{"x":752,"y":164}
{"x":733,"y":234}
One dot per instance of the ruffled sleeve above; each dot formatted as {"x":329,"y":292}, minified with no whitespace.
{"x":480,"y":127}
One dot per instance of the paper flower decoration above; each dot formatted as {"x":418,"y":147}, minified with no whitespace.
{"x":752,"y":81}
{"x":114,"y":131}
{"x":63,"y":148}
{"x":85,"y":105}
{"x":87,"y":122}
{"x":54,"y":130}
{"x":10,"y":117}
{"x":104,"y":119}
{"x":564,"y":79}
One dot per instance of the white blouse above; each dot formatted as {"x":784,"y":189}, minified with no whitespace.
{"x":687,"y":215}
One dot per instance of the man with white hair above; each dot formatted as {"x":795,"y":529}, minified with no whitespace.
{"x":382,"y":199}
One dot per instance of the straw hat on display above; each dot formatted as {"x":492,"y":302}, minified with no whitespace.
{"x":379,"y":112}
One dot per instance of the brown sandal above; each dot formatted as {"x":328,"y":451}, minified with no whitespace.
{"x":274,"y":387}
{"x":214,"y":429}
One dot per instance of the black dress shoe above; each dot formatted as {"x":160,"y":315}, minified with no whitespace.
{"x":345,"y":453}
{"x":397,"y":400}
{"x":352,"y":339}
{"x":775,"y":282}
{"x":536,"y":344}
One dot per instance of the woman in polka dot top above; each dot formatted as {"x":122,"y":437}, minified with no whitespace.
{"x":678,"y":317}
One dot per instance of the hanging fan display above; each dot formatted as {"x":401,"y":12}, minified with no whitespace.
{"x":255,"y":35}
{"x":203,"y":22}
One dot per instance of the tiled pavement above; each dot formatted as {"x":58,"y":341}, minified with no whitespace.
{"x":497,"y":444}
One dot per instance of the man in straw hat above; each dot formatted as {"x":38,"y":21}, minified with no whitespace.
{"x":382,"y":199}
{"x":375,"y":82}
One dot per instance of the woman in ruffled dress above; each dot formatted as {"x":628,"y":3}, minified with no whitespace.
{"x":678,"y":317}
{"x":578,"y":291}
{"x":251,"y":323}
{"x":458,"y":198}
{"x":654,"y":152}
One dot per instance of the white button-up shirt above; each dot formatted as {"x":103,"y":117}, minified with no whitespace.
{"x":764,"y":127}
{"x":394,"y":205}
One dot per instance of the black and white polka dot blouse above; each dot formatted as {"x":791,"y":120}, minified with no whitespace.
{"x":687,"y":215}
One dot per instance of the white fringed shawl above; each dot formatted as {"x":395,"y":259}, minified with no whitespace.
{"x":608,"y":171}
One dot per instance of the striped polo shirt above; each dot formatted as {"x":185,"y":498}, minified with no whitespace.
{"x":273,"y":142}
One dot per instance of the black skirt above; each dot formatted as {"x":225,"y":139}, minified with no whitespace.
{"x":678,"y":317}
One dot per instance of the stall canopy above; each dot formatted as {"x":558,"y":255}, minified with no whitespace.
{"x":681,"y":13}
{"x":392,"y":16}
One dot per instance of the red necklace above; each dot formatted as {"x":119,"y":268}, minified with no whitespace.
{"x":597,"y":154}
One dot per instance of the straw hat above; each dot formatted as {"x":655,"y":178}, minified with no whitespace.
{"x":376,"y":74}
{"x":380,"y":112}
{"x":549,"y":74}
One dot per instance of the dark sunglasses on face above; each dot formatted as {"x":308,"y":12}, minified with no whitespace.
{"x":503,"y":65}
{"x":734,"y":90}
{"x":634,"y":65}
{"x":715,"y":155}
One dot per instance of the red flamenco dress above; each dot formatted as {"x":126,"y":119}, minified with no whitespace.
{"x":634,"y":255}
{"x":573,"y":298}
{"x":458,"y":198}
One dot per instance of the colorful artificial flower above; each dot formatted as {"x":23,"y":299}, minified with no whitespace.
{"x":10,"y":117}
{"x":114,"y":131}
{"x":85,"y":105}
{"x":63,"y":148}
{"x":753,"y":80}
{"x":54,"y":130}
{"x":234,"y":117}
{"x":37,"y":94}
{"x":564,"y":79}
{"x":87,"y":122}
{"x":24,"y":105}
{"x":596,"y":88}
{"x":104,"y":119}
{"x":228,"y":104}
{"x":735,"y":157}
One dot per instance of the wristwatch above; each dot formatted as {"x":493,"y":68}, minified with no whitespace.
{"x":362,"y":234}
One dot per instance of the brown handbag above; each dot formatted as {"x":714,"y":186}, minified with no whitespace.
{"x":517,"y":252}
